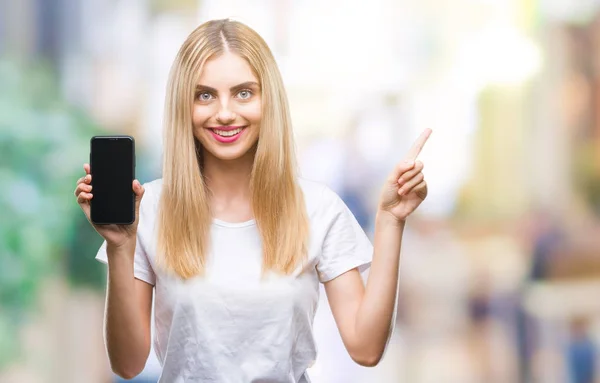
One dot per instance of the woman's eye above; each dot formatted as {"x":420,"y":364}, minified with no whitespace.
{"x":245,"y":94}
{"x":204,"y":96}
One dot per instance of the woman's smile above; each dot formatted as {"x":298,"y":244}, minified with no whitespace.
{"x":227,"y":134}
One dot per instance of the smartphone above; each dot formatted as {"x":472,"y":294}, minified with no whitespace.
{"x":112,"y":166}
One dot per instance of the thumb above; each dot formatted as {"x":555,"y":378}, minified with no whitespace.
{"x":139,"y":190}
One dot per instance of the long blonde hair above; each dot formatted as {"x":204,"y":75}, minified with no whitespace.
{"x":184,"y":215}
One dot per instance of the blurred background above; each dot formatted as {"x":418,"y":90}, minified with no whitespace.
{"x":500,"y":269}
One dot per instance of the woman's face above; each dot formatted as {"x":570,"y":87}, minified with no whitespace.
{"x":227,"y":107}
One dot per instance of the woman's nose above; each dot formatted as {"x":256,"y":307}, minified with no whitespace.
{"x":225,"y":115}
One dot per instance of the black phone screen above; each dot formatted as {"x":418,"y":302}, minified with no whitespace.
{"x":112,"y":164}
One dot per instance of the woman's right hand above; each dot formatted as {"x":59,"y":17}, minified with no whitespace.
{"x":115,"y":235}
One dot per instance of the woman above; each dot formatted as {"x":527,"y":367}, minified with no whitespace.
{"x":233,"y":243}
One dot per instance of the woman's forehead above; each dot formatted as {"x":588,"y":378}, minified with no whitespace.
{"x":227,"y":69}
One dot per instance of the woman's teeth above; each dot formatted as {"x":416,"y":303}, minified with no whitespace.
{"x":227,"y":133}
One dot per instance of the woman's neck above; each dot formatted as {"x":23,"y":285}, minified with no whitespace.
{"x":228,"y":180}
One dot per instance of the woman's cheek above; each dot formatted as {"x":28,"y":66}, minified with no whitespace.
{"x":254,"y":111}
{"x":199,"y":116}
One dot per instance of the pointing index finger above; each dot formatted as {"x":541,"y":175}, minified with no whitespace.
{"x":414,"y":151}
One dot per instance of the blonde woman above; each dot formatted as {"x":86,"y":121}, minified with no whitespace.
{"x":233,"y":244}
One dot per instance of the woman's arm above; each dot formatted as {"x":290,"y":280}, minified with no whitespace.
{"x":128,"y":300}
{"x":364,"y":316}
{"x":127,"y":314}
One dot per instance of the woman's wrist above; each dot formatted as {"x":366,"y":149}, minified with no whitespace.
{"x":385,"y":219}
{"x":126,"y":247}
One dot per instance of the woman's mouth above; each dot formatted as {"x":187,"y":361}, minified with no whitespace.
{"x":227,"y":135}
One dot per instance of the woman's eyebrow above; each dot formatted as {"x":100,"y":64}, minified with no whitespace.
{"x":246,"y":84}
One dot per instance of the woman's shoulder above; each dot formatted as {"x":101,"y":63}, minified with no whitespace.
{"x":313,"y":189}
{"x":318,"y":196}
{"x":151,"y":192}
{"x":157,"y":183}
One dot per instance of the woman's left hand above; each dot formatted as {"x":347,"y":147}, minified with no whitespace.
{"x":405,"y":188}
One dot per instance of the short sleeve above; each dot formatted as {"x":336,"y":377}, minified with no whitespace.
{"x":345,"y":244}
{"x":141,"y":265}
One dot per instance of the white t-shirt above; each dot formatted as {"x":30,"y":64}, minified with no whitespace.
{"x":228,"y":326}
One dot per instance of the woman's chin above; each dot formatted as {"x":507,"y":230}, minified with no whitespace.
{"x":229,"y":154}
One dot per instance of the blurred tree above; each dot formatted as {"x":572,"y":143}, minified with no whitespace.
{"x":162,"y":6}
{"x":586,"y":171}
{"x":43,"y":143}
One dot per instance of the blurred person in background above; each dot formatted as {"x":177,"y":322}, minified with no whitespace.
{"x":581,"y":352}
{"x":480,"y":318}
{"x":542,"y":234}
{"x":234,"y":243}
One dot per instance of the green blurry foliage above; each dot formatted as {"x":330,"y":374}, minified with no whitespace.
{"x":43,"y":144}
